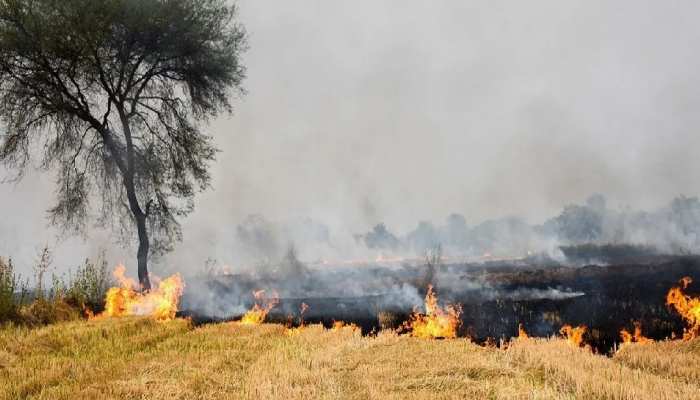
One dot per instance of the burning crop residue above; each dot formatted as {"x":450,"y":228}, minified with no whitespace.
{"x":295,"y":331}
{"x":688,"y":307}
{"x":522,"y":333}
{"x":636,"y":336}
{"x":437,"y":322}
{"x":574,"y":335}
{"x":340,"y":325}
{"x":262,"y":306}
{"x":160,"y":303}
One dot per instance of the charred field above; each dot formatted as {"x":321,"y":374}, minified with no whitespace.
{"x":496,"y":297}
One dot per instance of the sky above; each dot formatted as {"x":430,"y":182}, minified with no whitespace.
{"x":398,"y":111}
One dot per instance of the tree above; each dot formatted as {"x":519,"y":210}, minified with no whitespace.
{"x":114,"y":94}
{"x":381,"y":238}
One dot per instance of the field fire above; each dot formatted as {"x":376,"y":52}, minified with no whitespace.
{"x":160,"y":303}
{"x":485,"y":302}
{"x":688,"y":307}
{"x":239,"y":199}
{"x":443,"y":322}
{"x":267,"y":341}
{"x":529,"y":314}
{"x":262,"y":307}
{"x":437,"y":322}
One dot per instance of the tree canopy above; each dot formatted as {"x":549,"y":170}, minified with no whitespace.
{"x":113,"y":94}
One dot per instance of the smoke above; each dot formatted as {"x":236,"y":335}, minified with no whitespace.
{"x":671,"y":229}
{"x":525,"y":294}
{"x":352,"y":290}
{"x":367,"y":112}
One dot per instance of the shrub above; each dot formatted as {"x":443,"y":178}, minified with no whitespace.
{"x":12,"y":291}
{"x":88,"y":286}
{"x":44,"y":311}
{"x":83,"y":293}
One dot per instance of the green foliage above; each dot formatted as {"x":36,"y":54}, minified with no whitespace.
{"x":12,"y":291}
{"x":65,"y":299}
{"x":88,"y":286}
{"x":115,"y":93}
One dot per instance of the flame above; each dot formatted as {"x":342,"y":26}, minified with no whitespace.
{"x":291,"y":331}
{"x":437,"y":322}
{"x":339,"y":325}
{"x":262,"y":306}
{"x":574,"y":335}
{"x":635,"y":337}
{"x":522,"y":334}
{"x":160,"y":303}
{"x":688,"y":307}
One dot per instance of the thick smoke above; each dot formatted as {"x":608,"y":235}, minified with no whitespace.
{"x":396,"y":268}
{"x":672,"y":229}
{"x":364,"y":118}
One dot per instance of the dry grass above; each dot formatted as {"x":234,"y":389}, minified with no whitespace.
{"x":141,"y":359}
{"x":676,"y":360}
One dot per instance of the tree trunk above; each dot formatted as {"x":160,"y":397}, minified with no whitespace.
{"x":139,"y":215}
{"x":142,"y":255}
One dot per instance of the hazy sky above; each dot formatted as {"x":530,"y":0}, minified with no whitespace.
{"x":395,"y":111}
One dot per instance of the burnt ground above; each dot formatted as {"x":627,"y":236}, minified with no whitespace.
{"x":497,"y":296}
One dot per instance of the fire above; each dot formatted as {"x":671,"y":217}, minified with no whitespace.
{"x":160,"y":303}
{"x":291,"y":331}
{"x":437,"y":322}
{"x":262,"y":306}
{"x":522,"y":334}
{"x":339,"y":325}
{"x":635,"y":337}
{"x":688,"y":307}
{"x":574,"y":335}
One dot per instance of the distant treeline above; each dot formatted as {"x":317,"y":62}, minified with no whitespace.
{"x":672,"y":229}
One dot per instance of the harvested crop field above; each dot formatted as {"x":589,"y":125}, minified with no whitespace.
{"x":138,"y":358}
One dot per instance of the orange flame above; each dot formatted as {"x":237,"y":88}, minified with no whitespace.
{"x":262,"y":306}
{"x":688,"y":307}
{"x":339,"y":325}
{"x":291,"y":331}
{"x":437,"y":322}
{"x":574,"y":335}
{"x":635,"y":337}
{"x":160,"y":303}
{"x":522,"y":334}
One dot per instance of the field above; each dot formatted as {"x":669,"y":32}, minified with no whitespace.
{"x":138,"y":358}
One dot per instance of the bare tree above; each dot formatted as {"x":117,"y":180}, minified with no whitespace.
{"x":113,"y":93}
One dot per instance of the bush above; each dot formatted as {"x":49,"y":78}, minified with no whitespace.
{"x":83,"y":293}
{"x":43,"y":311}
{"x":12,"y":291}
{"x":88,"y":287}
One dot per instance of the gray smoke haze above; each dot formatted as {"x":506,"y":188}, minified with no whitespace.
{"x":398,"y":112}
